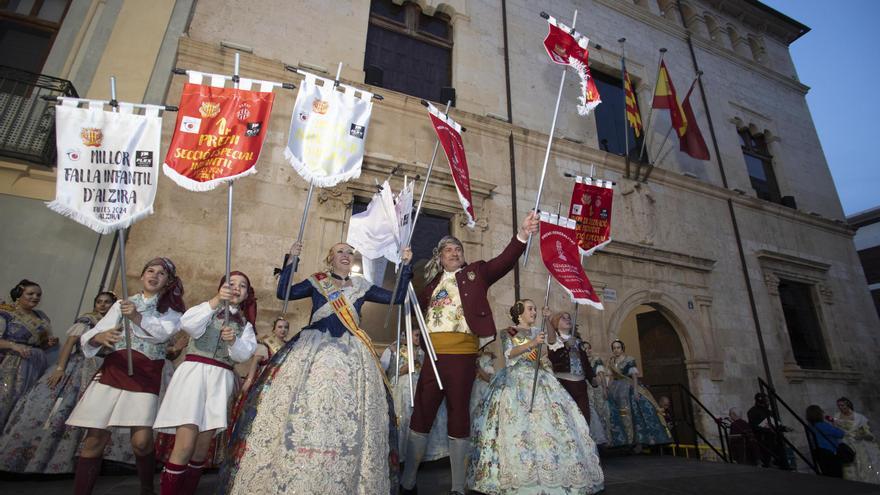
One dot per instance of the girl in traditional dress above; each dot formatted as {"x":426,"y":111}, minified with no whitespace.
{"x":546,"y":451}
{"x":866,"y":465}
{"x":636,"y":417}
{"x":438,"y":439}
{"x":115,"y":399}
{"x":598,"y":395}
{"x":485,"y":373}
{"x":320,"y":418}
{"x":35,"y":439}
{"x":24,"y":335}
{"x":197,"y":400}
{"x":571,"y":366}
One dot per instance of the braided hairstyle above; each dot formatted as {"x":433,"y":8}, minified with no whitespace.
{"x":518,"y":308}
{"x":19,"y":288}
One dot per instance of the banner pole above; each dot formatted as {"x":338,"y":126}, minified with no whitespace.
{"x":549,"y":146}
{"x":429,"y":346}
{"x":294,"y":260}
{"x":543,"y":326}
{"x":397,"y":345}
{"x":575,"y":316}
{"x":650,"y":115}
{"x":418,"y":212}
{"x":126,"y":325}
{"x":410,"y":350}
{"x":622,"y":42}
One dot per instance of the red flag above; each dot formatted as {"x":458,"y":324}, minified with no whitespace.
{"x":591,"y":208}
{"x":218,"y":136}
{"x":568,"y":47}
{"x":665,"y":97}
{"x":632,"y":109}
{"x":449,"y":133}
{"x":692,"y":142}
{"x":559,"y":250}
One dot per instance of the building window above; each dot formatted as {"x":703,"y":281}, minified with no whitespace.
{"x":804,"y":331}
{"x":760,"y":166}
{"x":27,"y":30}
{"x":409,"y":51}
{"x":611,"y":120}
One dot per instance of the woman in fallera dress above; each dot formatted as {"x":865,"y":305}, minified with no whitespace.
{"x":636,"y":419}
{"x":866,"y":465}
{"x":548,"y":451}
{"x":599,"y":395}
{"x":35,"y":439}
{"x":320,"y":419}
{"x":25,"y":333}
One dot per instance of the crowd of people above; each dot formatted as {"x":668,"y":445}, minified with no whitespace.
{"x":842,"y":446}
{"x":146,"y":380}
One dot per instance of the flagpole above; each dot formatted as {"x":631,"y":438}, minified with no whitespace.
{"x":622,"y":42}
{"x":126,"y":325}
{"x":658,"y":160}
{"x":418,"y":210}
{"x":549,"y":142}
{"x":397,"y":349}
{"x":650,"y":115}
{"x":294,"y":260}
{"x":429,"y":346}
{"x":543,"y":326}
{"x":410,"y":358}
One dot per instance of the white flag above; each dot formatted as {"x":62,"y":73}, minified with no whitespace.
{"x":107,"y":164}
{"x":374,"y":232}
{"x":327,"y":131}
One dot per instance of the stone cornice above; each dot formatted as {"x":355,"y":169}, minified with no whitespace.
{"x":645,"y":253}
{"x":795,"y":374}
{"x":787,"y":259}
{"x":664,"y":25}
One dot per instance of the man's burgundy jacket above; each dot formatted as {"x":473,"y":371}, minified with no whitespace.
{"x":474,"y":280}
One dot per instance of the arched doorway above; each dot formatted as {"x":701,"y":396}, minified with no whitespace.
{"x":651,"y":338}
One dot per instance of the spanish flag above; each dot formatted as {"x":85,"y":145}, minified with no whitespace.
{"x":632,"y":109}
{"x":665,"y":97}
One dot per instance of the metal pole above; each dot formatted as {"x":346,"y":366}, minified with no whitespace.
{"x":412,"y":228}
{"x":410,"y":349}
{"x":650,"y":115}
{"x":126,"y":325}
{"x":549,"y":145}
{"x":294,"y":260}
{"x":574,"y":321}
{"x":426,"y":337}
{"x":543,"y":326}
{"x":622,"y":42}
{"x":397,"y":345}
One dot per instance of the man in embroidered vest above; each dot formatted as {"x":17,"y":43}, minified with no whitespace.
{"x":457,"y":316}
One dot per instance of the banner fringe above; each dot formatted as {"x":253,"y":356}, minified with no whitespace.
{"x":192,"y":185}
{"x":585,"y":106}
{"x":92,"y":223}
{"x":320,"y":181}
{"x":592,"y":250}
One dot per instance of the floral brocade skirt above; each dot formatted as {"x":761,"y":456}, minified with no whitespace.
{"x":635,"y":418}
{"x":547,"y":451}
{"x":318,"y":420}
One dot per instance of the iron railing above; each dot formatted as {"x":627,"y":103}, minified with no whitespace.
{"x":779,"y":428}
{"x":27,"y":119}
{"x":684,"y":395}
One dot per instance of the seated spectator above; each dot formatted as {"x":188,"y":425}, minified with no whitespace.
{"x":744,"y":448}
{"x":828,"y":437}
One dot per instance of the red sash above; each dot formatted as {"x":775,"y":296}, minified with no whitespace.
{"x":147,"y":377}
{"x":206,"y":360}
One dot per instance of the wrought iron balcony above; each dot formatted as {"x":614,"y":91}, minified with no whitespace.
{"x":27,"y":120}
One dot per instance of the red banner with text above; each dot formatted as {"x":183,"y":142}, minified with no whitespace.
{"x":218,"y":136}
{"x":591,"y":208}
{"x":449,"y":134}
{"x":559,"y":250}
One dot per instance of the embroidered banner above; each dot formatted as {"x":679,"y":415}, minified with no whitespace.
{"x":219,"y":132}
{"x":107,"y":163}
{"x":327,"y":131}
{"x":591,"y":208}
{"x":449,"y":133}
{"x":568,"y":47}
{"x":559,"y":249}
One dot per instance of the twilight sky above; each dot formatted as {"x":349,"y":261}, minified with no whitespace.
{"x":838,"y":60}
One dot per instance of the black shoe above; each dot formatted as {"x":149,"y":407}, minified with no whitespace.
{"x":412,"y":491}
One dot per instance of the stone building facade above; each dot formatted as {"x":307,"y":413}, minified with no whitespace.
{"x":711,"y":280}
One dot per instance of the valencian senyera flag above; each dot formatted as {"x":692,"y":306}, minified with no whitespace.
{"x":559,"y":250}
{"x":107,"y":163}
{"x":633,"y":117}
{"x":449,"y":134}
{"x":219,"y":132}
{"x":591,"y":207}
{"x":568,"y":47}
{"x":328,"y":129}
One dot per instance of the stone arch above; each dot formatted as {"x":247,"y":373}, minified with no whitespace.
{"x":667,"y":9}
{"x":712,"y":27}
{"x":688,"y":328}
